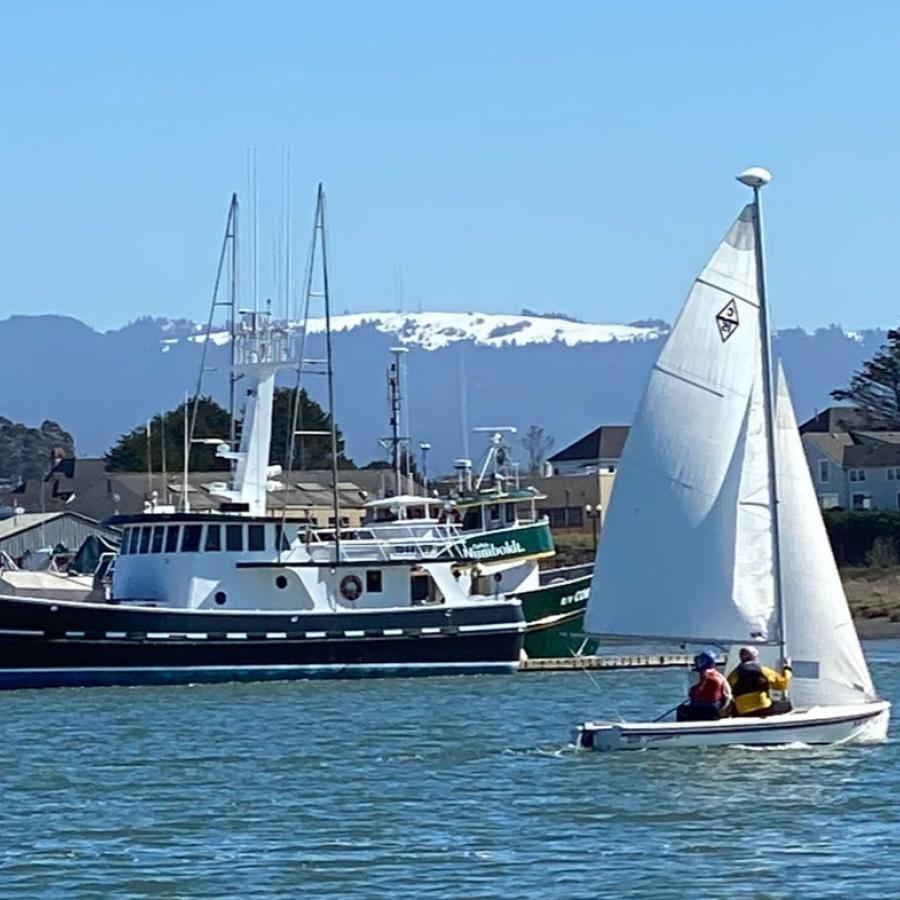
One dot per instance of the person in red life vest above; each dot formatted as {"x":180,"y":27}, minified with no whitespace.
{"x":710,"y":697}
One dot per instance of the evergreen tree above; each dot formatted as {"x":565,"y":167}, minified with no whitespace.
{"x":875,"y":388}
{"x":129,"y":453}
{"x":310,"y":451}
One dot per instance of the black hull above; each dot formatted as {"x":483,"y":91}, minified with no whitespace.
{"x":56,"y":643}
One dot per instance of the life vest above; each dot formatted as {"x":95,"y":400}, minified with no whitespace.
{"x":709,"y":689}
{"x":750,"y":680}
{"x":750,"y":687}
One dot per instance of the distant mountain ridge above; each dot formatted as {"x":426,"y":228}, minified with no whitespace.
{"x":564,"y":375}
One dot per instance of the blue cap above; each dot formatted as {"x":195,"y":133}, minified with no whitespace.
{"x":703,"y":661}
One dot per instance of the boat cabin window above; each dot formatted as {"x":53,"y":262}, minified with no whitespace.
{"x":145,"y":539}
{"x":158,"y":532}
{"x":234,"y":537}
{"x":172,"y":538}
{"x":126,"y":539}
{"x":419,"y":586}
{"x":494,"y":515}
{"x":213,"y":537}
{"x":472,"y":519}
{"x":135,"y":538}
{"x":190,"y":541}
{"x":373,"y":581}
{"x":256,"y":537}
{"x":509,"y":513}
{"x":282,"y":536}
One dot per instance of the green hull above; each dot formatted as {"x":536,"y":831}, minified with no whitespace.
{"x":534,"y":540}
{"x":554,"y":614}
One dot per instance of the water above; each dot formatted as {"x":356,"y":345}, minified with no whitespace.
{"x":457,"y":787}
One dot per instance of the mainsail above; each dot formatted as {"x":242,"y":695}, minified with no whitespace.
{"x":829,"y":667}
{"x":687,"y":542}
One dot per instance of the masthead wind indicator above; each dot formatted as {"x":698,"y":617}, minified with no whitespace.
{"x":754,"y":177}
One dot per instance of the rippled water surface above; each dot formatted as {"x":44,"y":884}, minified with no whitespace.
{"x":425,"y":788}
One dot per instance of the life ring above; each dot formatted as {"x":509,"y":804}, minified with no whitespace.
{"x":351,"y":587}
{"x":449,"y":516}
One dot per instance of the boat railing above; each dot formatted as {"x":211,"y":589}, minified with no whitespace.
{"x":385,"y":542}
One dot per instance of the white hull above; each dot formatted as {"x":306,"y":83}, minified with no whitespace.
{"x":857,"y":723}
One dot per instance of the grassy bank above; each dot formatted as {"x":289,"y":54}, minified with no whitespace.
{"x":874,"y":596}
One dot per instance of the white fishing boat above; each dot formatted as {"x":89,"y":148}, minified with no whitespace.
{"x":714,"y":536}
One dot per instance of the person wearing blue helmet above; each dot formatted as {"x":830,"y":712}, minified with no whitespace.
{"x":710,"y":696}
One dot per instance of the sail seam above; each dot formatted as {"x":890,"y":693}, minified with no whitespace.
{"x":724,"y":290}
{"x":687,"y":380}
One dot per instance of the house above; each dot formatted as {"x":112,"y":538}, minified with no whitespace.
{"x":598,"y":451}
{"x":854,"y":465}
{"x":579,"y":482}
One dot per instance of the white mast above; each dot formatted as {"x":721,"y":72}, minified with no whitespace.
{"x":756,"y":178}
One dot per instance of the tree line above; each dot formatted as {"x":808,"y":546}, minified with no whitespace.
{"x":160,"y":442}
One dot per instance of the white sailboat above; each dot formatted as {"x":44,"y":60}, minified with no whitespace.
{"x":714,"y":536}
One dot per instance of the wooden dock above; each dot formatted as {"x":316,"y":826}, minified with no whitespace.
{"x":632,"y":661}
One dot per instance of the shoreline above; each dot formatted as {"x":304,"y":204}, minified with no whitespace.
{"x":877,"y":629}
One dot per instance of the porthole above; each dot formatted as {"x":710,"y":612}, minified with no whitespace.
{"x":281,"y":582}
{"x":220,"y":597}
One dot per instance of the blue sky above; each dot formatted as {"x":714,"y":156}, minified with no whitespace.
{"x":575,"y":157}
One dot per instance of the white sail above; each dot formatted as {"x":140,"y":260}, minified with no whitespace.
{"x":829,"y":666}
{"x":686,"y":548}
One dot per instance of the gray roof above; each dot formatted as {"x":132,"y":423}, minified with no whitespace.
{"x":875,"y":454}
{"x":25,"y":521}
{"x":858,"y":450}
{"x":835,"y":419}
{"x":605,"y":442}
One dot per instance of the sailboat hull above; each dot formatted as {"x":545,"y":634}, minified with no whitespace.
{"x":857,"y":723}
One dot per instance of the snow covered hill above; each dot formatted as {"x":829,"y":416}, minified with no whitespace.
{"x":436,"y":330}
{"x":433,"y":330}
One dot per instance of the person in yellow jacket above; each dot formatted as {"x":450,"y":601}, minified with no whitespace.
{"x":751,"y":683}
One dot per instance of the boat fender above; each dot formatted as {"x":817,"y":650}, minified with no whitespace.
{"x":351,"y":587}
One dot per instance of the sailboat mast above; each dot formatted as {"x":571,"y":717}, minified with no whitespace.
{"x":756,"y":179}
{"x":232,"y":316}
{"x":320,"y":216}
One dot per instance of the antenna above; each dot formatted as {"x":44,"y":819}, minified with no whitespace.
{"x":496,"y":455}
{"x":395,"y":402}
{"x":255,"y":263}
{"x":287,"y":233}
{"x":463,"y":400}
{"x":149,"y":458}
